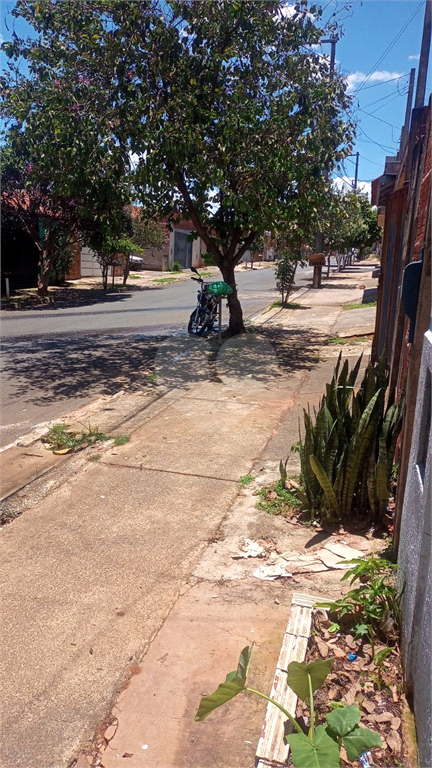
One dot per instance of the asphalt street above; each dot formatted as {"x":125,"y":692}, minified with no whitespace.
{"x":56,"y":360}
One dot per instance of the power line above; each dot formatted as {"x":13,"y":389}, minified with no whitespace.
{"x":383,"y":82}
{"x":372,"y":141}
{"x":369,"y":114}
{"x":383,"y":98}
{"x":389,"y":47}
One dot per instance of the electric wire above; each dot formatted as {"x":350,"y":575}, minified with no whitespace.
{"x":389,"y":47}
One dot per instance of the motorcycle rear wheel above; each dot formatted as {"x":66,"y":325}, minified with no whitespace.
{"x":198,"y":322}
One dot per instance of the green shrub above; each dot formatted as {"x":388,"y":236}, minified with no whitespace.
{"x":208,"y":259}
{"x":176,"y":267}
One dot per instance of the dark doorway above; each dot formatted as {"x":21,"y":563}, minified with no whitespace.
{"x":20,"y":259}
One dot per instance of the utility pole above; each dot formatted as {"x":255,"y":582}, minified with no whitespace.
{"x":332,"y":40}
{"x":356,"y":170}
{"x":424,"y":57}
{"x":405,"y":129}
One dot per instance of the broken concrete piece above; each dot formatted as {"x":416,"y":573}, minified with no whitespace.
{"x":272,"y":571}
{"x":344,"y":551}
{"x":249,"y":549}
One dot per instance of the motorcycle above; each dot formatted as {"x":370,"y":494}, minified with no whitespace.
{"x":203,"y":318}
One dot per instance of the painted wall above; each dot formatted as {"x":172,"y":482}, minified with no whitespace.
{"x":415,"y":562}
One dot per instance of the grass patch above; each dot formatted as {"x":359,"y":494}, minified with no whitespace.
{"x":285,"y":305}
{"x":278,"y":500}
{"x":134,"y":277}
{"x":121,"y":439}
{"x":361,"y":306}
{"x":246,"y":480}
{"x":346,"y":340}
{"x":61,"y":439}
{"x":165,"y":280}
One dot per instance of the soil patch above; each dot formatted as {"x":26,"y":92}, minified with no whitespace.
{"x":356,"y":679}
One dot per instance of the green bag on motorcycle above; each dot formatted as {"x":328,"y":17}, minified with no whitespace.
{"x":219,"y":288}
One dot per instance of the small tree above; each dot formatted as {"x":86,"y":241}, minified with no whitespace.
{"x":145,"y":234}
{"x":290,"y":252}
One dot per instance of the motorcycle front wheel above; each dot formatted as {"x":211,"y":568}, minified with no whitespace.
{"x":198,"y":322}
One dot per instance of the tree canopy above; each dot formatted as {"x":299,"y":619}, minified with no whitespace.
{"x":231,"y":118}
{"x":349,"y":221}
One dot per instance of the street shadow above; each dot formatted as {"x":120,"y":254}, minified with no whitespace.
{"x":43,"y":371}
{"x":369,"y":295}
{"x":66,"y":298}
{"x":62,"y":368}
{"x":296,"y":349}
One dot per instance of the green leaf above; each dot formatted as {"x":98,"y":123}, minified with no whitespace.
{"x":343,"y":720}
{"x":320,"y":752}
{"x":225,"y":692}
{"x":234,"y":684}
{"x":300,"y":672}
{"x":359,"y":741}
{"x":325,"y":484}
{"x":382,"y":655}
{"x":244,"y":663}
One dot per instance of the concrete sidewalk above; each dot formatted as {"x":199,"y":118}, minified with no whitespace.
{"x":96,"y":561}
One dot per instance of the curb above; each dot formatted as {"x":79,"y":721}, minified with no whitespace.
{"x":272,"y":750}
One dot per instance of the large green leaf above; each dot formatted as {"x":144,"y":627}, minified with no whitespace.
{"x":325,"y":484}
{"x":225,"y":692}
{"x":359,"y":446}
{"x":321,"y":752}
{"x":234,"y":684}
{"x":299,"y":673}
{"x":244,"y":663}
{"x":359,"y":740}
{"x":343,"y":720}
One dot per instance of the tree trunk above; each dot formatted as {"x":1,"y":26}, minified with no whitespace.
{"x":105,"y":276}
{"x":236,"y":324}
{"x":126,"y":268}
{"x":44,"y":269}
{"x":42,"y":282}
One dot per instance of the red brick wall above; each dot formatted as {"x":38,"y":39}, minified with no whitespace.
{"x":75,"y":270}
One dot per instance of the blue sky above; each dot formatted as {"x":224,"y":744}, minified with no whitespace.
{"x":390,"y":30}
{"x":382,"y":40}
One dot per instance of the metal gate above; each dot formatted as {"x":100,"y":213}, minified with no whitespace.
{"x":182,"y":249}
{"x":89,"y":266}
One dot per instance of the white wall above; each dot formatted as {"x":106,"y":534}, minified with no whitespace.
{"x":415,"y":563}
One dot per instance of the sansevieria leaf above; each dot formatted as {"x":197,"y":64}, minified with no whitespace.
{"x":325,"y":484}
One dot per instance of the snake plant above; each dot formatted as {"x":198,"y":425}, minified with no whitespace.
{"x":348,"y":446}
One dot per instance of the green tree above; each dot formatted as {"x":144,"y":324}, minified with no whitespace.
{"x":52,"y":222}
{"x":145,"y":234}
{"x":349,"y":221}
{"x":230,"y":116}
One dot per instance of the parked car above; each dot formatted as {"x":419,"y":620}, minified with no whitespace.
{"x":136,"y":263}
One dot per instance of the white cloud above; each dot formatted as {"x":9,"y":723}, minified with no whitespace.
{"x":345,"y":184}
{"x":379,"y":76}
{"x":414,"y":58}
{"x":289,"y":11}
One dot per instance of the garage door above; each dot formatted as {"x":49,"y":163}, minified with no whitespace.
{"x":182,"y":249}
{"x":89,"y":265}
